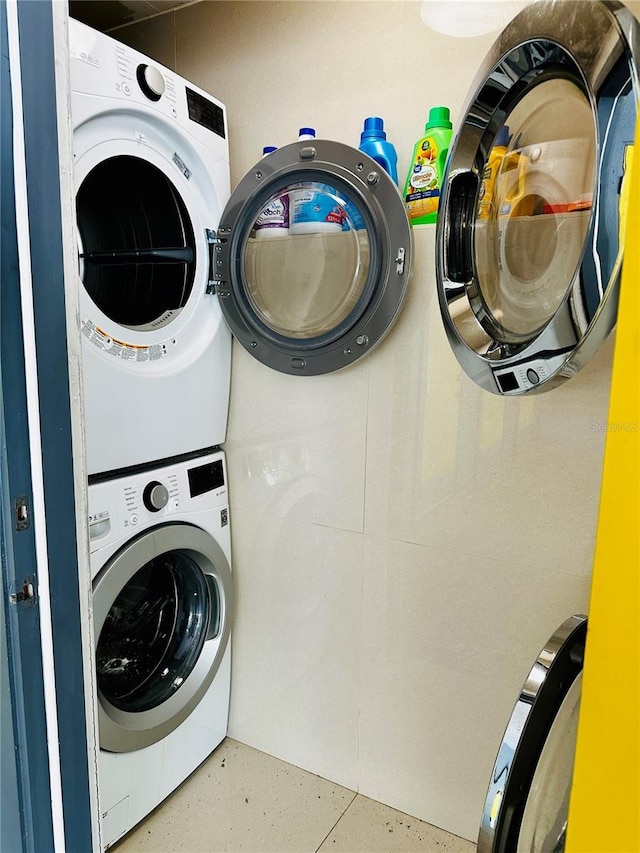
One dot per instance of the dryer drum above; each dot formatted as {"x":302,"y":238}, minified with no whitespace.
{"x":137,"y":257}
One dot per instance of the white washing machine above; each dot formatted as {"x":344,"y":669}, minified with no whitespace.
{"x":151,"y":165}
{"x":162,"y":609}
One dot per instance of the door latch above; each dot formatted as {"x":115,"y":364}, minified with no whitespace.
{"x":21,"y":513}
{"x":26,"y":594}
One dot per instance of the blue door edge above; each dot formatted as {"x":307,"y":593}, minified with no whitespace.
{"x":53,"y":698}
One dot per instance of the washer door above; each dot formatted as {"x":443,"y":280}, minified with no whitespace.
{"x":527,"y":801}
{"x":313,"y":302}
{"x":529,"y":239}
{"x":162,"y":617}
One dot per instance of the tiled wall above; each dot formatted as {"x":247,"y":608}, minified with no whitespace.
{"x":404,"y":543}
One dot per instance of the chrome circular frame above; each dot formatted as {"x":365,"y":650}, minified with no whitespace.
{"x":558,"y":665}
{"x":596,"y":46}
{"x":366,"y":185}
{"x":122,"y":731}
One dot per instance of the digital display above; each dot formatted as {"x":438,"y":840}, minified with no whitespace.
{"x":205,"y":478}
{"x":507,"y":381}
{"x":205,"y":112}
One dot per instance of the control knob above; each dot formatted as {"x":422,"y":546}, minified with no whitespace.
{"x":155,"y":496}
{"x":151,"y":82}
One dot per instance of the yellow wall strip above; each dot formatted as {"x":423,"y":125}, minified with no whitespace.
{"x":604,"y":814}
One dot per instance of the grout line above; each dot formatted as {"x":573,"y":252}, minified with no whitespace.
{"x":338,"y":821}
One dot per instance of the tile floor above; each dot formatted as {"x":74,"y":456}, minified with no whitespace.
{"x":241,"y":799}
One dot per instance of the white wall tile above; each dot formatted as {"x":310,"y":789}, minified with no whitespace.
{"x":296,"y":445}
{"x":452,"y":466}
{"x":296,"y":643}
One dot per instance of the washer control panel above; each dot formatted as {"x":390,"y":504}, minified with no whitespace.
{"x":121,"y":506}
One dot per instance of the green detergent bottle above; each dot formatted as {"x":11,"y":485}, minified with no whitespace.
{"x":424,"y":181}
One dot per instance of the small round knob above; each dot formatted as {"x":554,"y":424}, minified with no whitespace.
{"x":151,"y":82}
{"x":155,"y":496}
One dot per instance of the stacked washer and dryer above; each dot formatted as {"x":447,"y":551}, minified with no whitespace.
{"x":152,"y":176}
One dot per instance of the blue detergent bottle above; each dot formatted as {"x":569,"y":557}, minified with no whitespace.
{"x":373,"y":141}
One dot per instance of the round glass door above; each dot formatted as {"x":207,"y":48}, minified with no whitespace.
{"x":307,"y":284}
{"x":534,"y":210}
{"x":162,"y":620}
{"x":154,"y":632}
{"x":137,"y":246}
{"x":313,"y":257}
{"x":544,"y":820}
{"x":530,"y":236}
{"x":527,"y":801}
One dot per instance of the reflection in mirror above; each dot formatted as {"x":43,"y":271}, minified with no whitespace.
{"x":306,"y":260}
{"x":534,"y":208}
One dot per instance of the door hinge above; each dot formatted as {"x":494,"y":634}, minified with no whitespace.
{"x":215,"y":261}
{"x":25,"y":593}
{"x":215,"y":285}
{"x":212,"y":239}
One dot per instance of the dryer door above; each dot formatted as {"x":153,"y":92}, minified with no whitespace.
{"x":529,"y":239}
{"x":313,"y":297}
{"x":162,"y":616}
{"x":528,"y":797}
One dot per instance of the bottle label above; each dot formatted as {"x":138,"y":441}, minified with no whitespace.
{"x":424,"y":177}
{"x":315,"y":204}
{"x":423,"y":190}
{"x":484,"y":198}
{"x":274,"y":215}
{"x":352,"y":218}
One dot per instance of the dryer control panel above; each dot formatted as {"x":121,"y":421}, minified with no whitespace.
{"x":103,"y":67}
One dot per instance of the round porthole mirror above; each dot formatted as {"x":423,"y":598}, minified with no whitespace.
{"x":313,"y":257}
{"x":530,"y":235}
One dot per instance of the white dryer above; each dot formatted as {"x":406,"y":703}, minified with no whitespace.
{"x":151,"y":164}
{"x":162,"y":609}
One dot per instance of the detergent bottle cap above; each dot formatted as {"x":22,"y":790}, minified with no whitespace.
{"x":306,"y":132}
{"x":373,"y":129}
{"x":269,"y":148}
{"x":439,"y":117}
{"x":503,"y":136}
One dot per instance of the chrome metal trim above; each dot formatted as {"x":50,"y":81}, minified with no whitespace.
{"x":550,"y":678}
{"x":122,"y":731}
{"x":595,"y":38}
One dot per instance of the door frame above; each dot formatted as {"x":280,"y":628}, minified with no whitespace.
{"x":48,"y":664}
